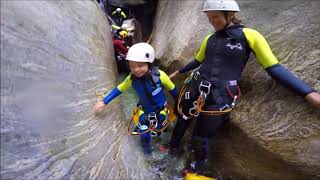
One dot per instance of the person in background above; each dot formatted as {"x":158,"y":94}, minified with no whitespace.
{"x":120,"y":51}
{"x":118,"y":15}
{"x":116,"y":32}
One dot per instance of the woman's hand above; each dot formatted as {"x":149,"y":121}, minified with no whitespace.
{"x":98,"y":107}
{"x":171,"y":76}
{"x":314,"y":99}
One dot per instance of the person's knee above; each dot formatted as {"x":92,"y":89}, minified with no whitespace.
{"x":145,"y":138}
{"x":208,"y":126}
{"x":199,"y":141}
{"x":161,"y":118}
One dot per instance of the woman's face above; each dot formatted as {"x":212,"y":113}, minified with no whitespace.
{"x":217,"y":19}
{"x":138,"y":69}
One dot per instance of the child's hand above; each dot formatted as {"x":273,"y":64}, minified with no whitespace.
{"x":98,"y":107}
{"x":171,"y":76}
{"x":314,"y":99}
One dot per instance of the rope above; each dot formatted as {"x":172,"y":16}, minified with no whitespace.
{"x":201,"y":102}
{"x":150,"y":129}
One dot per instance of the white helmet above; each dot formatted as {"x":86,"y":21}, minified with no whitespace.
{"x":118,"y":10}
{"x":220,"y":5}
{"x":124,"y":26}
{"x":141,"y":52}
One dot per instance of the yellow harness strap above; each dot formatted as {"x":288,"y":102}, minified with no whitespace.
{"x":169,"y":109}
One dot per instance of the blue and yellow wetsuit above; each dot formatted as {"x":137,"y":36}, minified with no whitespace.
{"x":223,"y":56}
{"x":150,"y":90}
{"x":151,"y":94}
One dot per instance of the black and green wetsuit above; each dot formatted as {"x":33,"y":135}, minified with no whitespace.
{"x":223,"y":56}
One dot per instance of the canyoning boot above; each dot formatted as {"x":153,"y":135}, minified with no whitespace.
{"x":195,"y":176}
{"x":196,"y":170}
{"x":167,"y":162}
{"x":198,"y":155}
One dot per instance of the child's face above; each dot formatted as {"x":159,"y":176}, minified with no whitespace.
{"x":138,"y":69}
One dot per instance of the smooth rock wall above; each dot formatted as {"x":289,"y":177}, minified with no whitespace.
{"x":55,"y":57}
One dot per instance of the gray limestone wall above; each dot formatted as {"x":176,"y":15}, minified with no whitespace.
{"x":55,"y":57}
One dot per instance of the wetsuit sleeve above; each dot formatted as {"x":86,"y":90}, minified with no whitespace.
{"x":260,"y":47}
{"x":201,"y":53}
{"x":123,"y":15}
{"x":192,"y":65}
{"x":113,"y":94}
{"x":168,"y":84}
{"x":199,"y":57}
{"x":118,"y":90}
{"x":129,"y":29}
{"x":269,"y":62}
{"x":287,"y":79}
{"x":126,"y":84}
{"x":115,"y":27}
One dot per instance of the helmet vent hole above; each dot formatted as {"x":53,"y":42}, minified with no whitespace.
{"x":147,"y":55}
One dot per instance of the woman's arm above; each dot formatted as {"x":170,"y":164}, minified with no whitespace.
{"x":196,"y":62}
{"x":269,"y":62}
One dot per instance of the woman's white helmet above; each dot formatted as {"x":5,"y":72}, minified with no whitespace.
{"x":118,"y":10}
{"x":220,"y":5}
{"x":141,"y":52}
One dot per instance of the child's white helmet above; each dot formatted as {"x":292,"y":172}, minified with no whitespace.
{"x":141,"y":52}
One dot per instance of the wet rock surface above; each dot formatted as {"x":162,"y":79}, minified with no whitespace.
{"x":55,"y":56}
{"x":283,"y":128}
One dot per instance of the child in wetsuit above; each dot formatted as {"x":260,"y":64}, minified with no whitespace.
{"x":149,"y":83}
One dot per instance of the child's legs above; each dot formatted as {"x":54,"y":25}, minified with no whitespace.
{"x":146,"y":143}
{"x":143,"y":126}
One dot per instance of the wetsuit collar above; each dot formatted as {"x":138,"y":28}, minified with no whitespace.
{"x":230,"y":27}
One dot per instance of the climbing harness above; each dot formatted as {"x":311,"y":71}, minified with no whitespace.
{"x":204,"y":90}
{"x":153,"y":122}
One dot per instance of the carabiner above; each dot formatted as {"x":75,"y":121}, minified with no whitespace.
{"x":153,"y":133}
{"x":195,"y":75}
{"x":152,"y":116}
{"x":205,"y":86}
{"x":224,"y":107}
{"x":195,"y":109}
